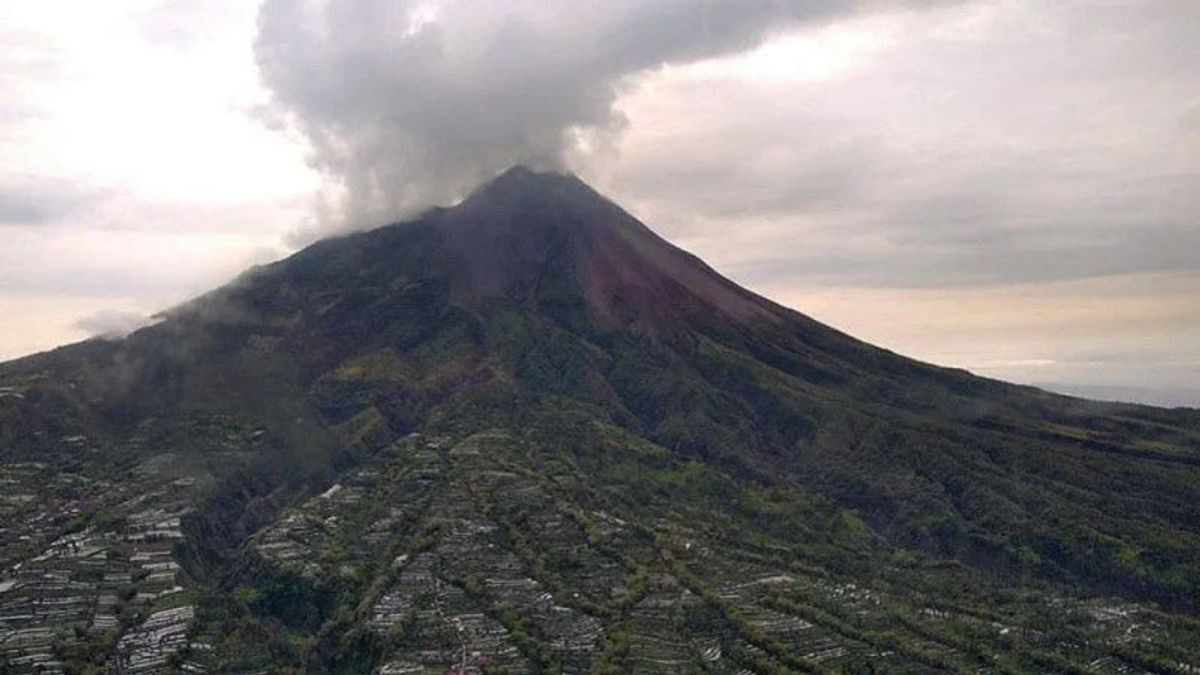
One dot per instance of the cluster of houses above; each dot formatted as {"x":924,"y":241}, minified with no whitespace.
{"x":37,"y":503}
{"x":155,"y":645}
{"x":74,"y":593}
{"x":441,"y":627}
{"x":52,"y":573}
{"x":445,"y":603}
{"x":445,"y":606}
{"x":659,"y":642}
{"x":473,"y":563}
{"x":752,"y":599}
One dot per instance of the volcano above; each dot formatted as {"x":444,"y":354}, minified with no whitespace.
{"x":526,"y":434}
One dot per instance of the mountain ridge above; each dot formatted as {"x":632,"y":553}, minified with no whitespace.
{"x":594,"y":447}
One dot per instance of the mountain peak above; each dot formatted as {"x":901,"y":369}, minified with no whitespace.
{"x":528,"y":231}
{"x":522,"y":175}
{"x":542,"y":239}
{"x":522,"y":188}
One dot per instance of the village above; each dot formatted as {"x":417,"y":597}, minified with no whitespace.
{"x":468,"y":563}
{"x":480,"y":566}
{"x":66,"y":589}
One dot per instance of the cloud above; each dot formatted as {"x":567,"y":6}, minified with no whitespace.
{"x":407,"y":104}
{"x":1189,"y":121}
{"x":1137,"y":329}
{"x":156,"y":267}
{"x":112,"y":324}
{"x":179,"y":25}
{"x":44,"y":201}
{"x":990,"y":143}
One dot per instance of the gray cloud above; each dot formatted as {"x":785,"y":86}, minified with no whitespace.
{"x":999,"y":143}
{"x":112,"y":324}
{"x":39,"y":202}
{"x":406,"y":106}
{"x":1189,"y":121}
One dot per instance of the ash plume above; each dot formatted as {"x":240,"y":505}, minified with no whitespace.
{"x":409,"y":104}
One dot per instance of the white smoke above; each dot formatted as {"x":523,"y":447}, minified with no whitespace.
{"x":112,"y":324}
{"x":410,"y":103}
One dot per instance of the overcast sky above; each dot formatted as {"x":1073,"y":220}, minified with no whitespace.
{"x":1010,"y":186}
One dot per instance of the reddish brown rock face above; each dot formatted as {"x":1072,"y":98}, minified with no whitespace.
{"x":526,"y":230}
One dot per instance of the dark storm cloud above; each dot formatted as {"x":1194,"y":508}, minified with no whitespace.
{"x":412,"y":103}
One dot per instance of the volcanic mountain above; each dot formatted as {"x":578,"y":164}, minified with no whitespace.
{"x":526,"y":434}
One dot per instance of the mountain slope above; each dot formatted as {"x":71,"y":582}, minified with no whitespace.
{"x":526,"y":433}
